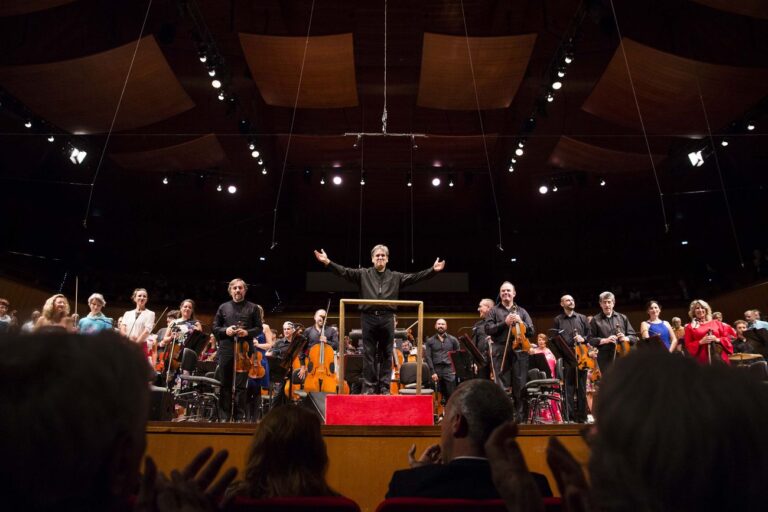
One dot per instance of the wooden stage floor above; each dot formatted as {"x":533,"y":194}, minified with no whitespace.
{"x":362,"y":459}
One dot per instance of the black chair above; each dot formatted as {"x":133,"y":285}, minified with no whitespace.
{"x":541,"y":395}
{"x":408,"y":379}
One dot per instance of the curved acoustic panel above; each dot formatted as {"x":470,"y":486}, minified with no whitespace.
{"x":201,"y":153}
{"x":328,"y":78}
{"x":577,"y":155}
{"x":386,"y":153}
{"x":667,"y":89}
{"x":499,"y":64}
{"x":16,"y":7}
{"x":753,"y":8}
{"x":81,"y":95}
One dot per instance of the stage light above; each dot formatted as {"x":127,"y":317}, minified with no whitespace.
{"x":219,"y":188}
{"x":221,"y":96}
{"x":550,"y":97}
{"x":212,"y":72}
{"x":322,"y":180}
{"x":696,"y":158}
{"x":357,"y":141}
{"x":231,"y":189}
{"x":557,"y":84}
{"x":362,"y":179}
{"x":511,"y":168}
{"x":409,"y":181}
{"x":262,"y":258}
{"x":203,"y":57}
{"x":750,"y":126}
{"x":413,"y":143}
{"x":450,"y":182}
{"x":28,"y":123}
{"x":513,"y":160}
{"x":435,"y":182}
{"x":519,"y":151}
{"x":513,"y":260}
{"x":554,"y":188}
{"x":724,"y":143}
{"x":602,"y":183}
{"x":568,"y":59}
{"x":251,"y":146}
{"x":77,"y":156}
{"x":165,"y":180}
{"x":255,"y":153}
{"x":337,"y":180}
{"x":560,"y":73}
{"x":684,"y":242}
{"x":264,"y":171}
{"x":543,"y":189}
{"x":51,"y":138}
{"x":216,"y":83}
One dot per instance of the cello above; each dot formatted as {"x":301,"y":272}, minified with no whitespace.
{"x":321,"y":375}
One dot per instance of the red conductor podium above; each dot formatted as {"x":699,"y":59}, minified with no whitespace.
{"x":380,"y":410}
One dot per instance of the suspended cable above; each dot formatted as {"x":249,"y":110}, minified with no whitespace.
{"x":482,"y":128}
{"x":114,"y":117}
{"x":360,"y":220}
{"x":384,"y":112}
{"x":290,"y":131}
{"x":642,"y":123}
{"x":410,"y":180}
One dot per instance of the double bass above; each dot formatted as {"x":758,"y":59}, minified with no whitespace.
{"x":321,"y":371}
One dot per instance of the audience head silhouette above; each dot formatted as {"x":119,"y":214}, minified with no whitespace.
{"x":75,"y":410}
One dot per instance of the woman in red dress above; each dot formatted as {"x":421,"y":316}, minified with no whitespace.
{"x":706,"y":340}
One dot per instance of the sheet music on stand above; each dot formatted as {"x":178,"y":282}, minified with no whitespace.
{"x":561,"y":350}
{"x":654,"y":342}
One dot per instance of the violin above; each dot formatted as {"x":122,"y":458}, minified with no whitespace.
{"x":622,"y":347}
{"x":243,"y":363}
{"x":518,"y":330}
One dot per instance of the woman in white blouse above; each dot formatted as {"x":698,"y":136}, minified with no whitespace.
{"x":137,"y":323}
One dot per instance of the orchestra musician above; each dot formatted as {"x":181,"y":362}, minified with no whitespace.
{"x":655,"y":326}
{"x":436,"y":354}
{"x":56,"y":315}
{"x":677,"y":327}
{"x":280,"y":347}
{"x":378,"y":282}
{"x":573,"y":327}
{"x":607,"y":329}
{"x":95,"y":321}
{"x":549,"y":414}
{"x":8,"y":323}
{"x":499,"y":322}
{"x":138,"y":323}
{"x":707,"y":340}
{"x":480,"y":338}
{"x":741,"y":345}
{"x":315,"y":334}
{"x":235,"y":320}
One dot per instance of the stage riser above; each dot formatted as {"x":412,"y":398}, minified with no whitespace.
{"x":362,"y":459}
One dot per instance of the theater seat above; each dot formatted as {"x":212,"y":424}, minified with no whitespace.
{"x":454,"y":505}
{"x":318,"y":504}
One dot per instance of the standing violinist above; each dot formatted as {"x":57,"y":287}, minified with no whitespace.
{"x":498,"y":325}
{"x":607,"y":329}
{"x":573,"y":327}
{"x":236,"y":321}
{"x":315,"y":334}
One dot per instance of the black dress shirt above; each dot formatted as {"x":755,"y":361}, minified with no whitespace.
{"x":497,"y":329}
{"x":379,"y":285}
{"x":313,"y":337}
{"x":233,"y":313}
{"x":568,"y":324}
{"x":436,"y":351}
{"x":605,"y":327}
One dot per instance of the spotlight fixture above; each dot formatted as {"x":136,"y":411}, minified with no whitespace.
{"x":51,"y":138}
{"x":262,"y":258}
{"x":684,"y":242}
{"x":264,"y":171}
{"x":568,"y":58}
{"x":750,"y":126}
{"x":77,"y":156}
{"x":251,"y":145}
{"x":165,"y":180}
{"x":337,"y":180}
{"x":201,"y":54}
{"x":216,"y":83}
{"x":221,"y":96}
{"x":557,"y":85}
{"x":357,"y":141}
{"x":513,"y":260}
{"x":724,"y":143}
{"x":212,"y":72}
{"x":219,"y":188}
{"x":28,"y":124}
{"x":602,"y":182}
{"x":322,"y":179}
{"x":513,"y":160}
{"x":409,"y":182}
{"x":362,"y":181}
{"x":511,"y":168}
{"x":550,"y":97}
{"x":260,"y":161}
{"x":696,"y":158}
{"x":450,"y":182}
{"x":519,"y":152}
{"x":255,"y":153}
{"x":436,"y":182}
{"x":91,"y":241}
{"x":231,"y":189}
{"x":521,"y":144}
{"x":561,"y":73}
{"x":543,"y":189}
{"x":554,"y":188}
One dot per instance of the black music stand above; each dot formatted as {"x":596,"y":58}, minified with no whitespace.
{"x":539,"y":361}
{"x":759,"y":339}
{"x":561,"y":350}
{"x":654,"y":343}
{"x":462,"y":365}
{"x":470,"y":347}
{"x":353,"y":369}
{"x":196,"y":340}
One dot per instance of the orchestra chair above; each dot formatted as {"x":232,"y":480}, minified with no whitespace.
{"x":293,"y":504}
{"x":454,"y":505}
{"x":408,"y":379}
{"x":541,"y":394}
{"x":198,"y":395}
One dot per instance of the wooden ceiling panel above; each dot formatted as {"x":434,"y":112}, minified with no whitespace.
{"x":328,"y":79}
{"x":81,"y":95}
{"x":577,"y":155}
{"x":499,"y":65}
{"x":16,"y":7}
{"x":386,"y":153}
{"x":753,"y":8}
{"x":667,"y":88}
{"x":201,"y":153}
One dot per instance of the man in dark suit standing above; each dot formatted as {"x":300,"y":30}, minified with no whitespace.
{"x":457,"y":467}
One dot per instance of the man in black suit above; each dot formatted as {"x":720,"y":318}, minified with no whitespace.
{"x":457,"y":467}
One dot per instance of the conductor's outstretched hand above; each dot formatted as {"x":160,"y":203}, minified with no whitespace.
{"x":322,"y":257}
{"x":438,"y":266}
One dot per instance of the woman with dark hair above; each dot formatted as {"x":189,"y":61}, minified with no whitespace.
{"x":655,"y":326}
{"x":287,"y":457}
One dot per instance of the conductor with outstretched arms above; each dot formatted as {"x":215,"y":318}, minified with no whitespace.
{"x":378,"y":282}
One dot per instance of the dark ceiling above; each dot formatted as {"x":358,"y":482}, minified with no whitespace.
{"x":697,"y":68}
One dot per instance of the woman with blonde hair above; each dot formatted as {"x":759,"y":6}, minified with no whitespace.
{"x":287,"y":457}
{"x":56,"y":315}
{"x":707,"y":340}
